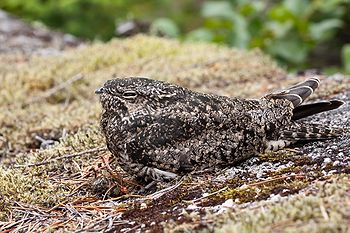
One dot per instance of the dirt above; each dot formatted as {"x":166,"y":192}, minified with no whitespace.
{"x":56,"y":175}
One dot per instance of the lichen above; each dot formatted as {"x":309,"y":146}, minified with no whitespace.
{"x":53,"y":97}
{"x":322,"y":207}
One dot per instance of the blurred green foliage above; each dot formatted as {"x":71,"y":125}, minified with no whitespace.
{"x":288,"y":30}
{"x":298,"y":33}
{"x":96,"y":19}
{"x":346,"y":58}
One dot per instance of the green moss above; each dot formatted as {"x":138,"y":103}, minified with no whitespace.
{"x":26,"y":111}
{"x":27,"y":188}
{"x":278,"y":156}
{"x":263,"y":190}
{"x":324,"y":209}
{"x":315,"y":213}
{"x":198,"y":66}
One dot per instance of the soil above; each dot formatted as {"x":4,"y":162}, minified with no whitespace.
{"x":63,"y":181}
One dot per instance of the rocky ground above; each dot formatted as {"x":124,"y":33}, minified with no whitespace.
{"x":19,"y":37}
{"x":56,"y":174}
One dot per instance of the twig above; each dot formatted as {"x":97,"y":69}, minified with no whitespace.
{"x":94,"y":150}
{"x":60,"y":223}
{"x":127,"y":196}
{"x":55,"y":89}
{"x":160,"y":193}
{"x":26,"y":207}
{"x":10,"y":225}
{"x":94,"y":224}
{"x":324,"y":211}
{"x":283,"y":177}
{"x":209,"y":195}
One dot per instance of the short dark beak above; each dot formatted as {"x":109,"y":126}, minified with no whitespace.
{"x":99,"y":91}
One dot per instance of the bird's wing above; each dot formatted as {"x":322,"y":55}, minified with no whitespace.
{"x":169,"y":128}
{"x":156,"y":143}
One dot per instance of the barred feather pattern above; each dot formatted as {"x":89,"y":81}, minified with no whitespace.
{"x":157,"y":130}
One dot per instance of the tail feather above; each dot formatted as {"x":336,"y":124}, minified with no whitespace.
{"x":310,"y":132}
{"x":306,"y":110}
{"x":294,"y":131}
{"x":297,"y":93}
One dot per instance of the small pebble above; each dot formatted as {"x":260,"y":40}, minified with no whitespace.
{"x":205,"y":194}
{"x":327,"y":161}
{"x":228,"y":203}
{"x":143,"y":206}
{"x":192,"y":207}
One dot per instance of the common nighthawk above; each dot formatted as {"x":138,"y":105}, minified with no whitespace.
{"x":158,"y":130}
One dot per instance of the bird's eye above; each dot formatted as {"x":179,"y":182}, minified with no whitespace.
{"x":129,"y":94}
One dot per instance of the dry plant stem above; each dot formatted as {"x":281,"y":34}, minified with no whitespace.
{"x":160,"y":193}
{"x":118,"y":198}
{"x":94,"y":150}
{"x":120,"y":180}
{"x":8,"y":227}
{"x":277,"y":178}
{"x":96,"y":223}
{"x":211,"y":194}
{"x":55,"y":89}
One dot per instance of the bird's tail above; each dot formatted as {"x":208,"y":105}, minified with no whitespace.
{"x":308,"y":132}
{"x":302,"y":132}
{"x":305,"y":110}
{"x":298,"y":93}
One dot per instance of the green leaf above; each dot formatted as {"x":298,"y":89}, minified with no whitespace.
{"x":279,"y":29}
{"x":165,"y":27}
{"x":217,"y":9}
{"x":240,"y":34}
{"x":324,"y":30}
{"x":299,"y":8}
{"x":280,"y":13}
{"x":331,"y":6}
{"x":289,"y":49}
{"x":252,"y":8}
{"x":200,"y":34}
{"x":346,"y":58}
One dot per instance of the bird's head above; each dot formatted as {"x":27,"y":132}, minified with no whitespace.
{"x":127,"y":95}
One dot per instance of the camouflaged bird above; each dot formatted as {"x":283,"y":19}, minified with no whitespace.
{"x":158,"y":130}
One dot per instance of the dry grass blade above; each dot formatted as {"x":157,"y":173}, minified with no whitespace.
{"x":9,"y":226}
{"x":94,"y":150}
{"x":110,"y":223}
{"x":269,"y":198}
{"x":55,"y":89}
{"x":160,"y":193}
{"x":283,"y":177}
{"x":209,"y":195}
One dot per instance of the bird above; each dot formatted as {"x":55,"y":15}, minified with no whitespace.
{"x":158,"y":131}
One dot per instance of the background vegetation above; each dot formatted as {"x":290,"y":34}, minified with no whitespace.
{"x":297,"y":33}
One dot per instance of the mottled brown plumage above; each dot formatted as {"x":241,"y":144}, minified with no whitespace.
{"x":158,"y":130}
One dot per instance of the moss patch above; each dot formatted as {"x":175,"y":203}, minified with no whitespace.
{"x":49,"y":115}
{"x":323,"y":207}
